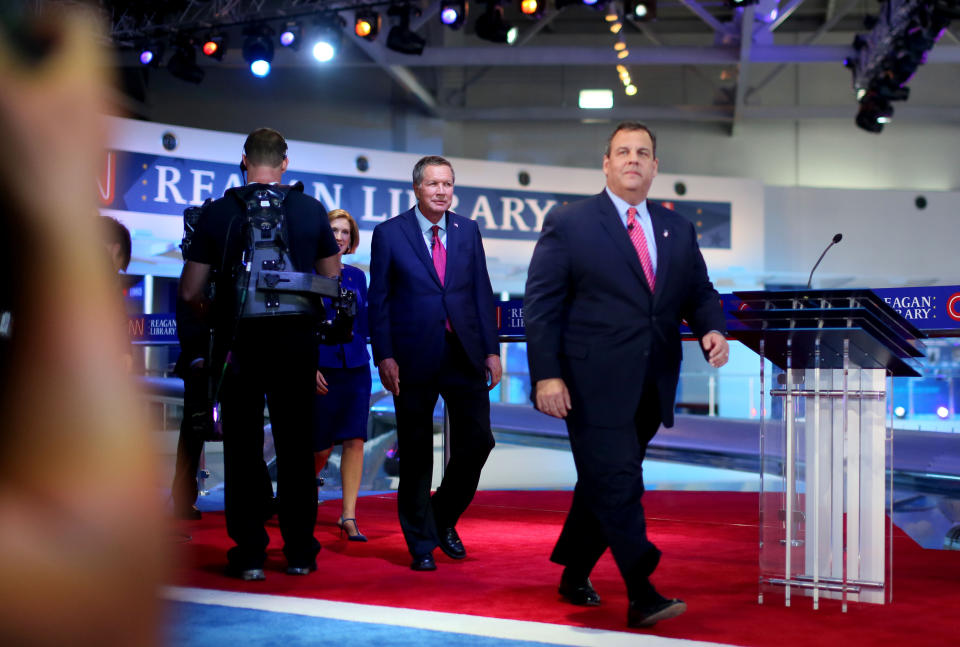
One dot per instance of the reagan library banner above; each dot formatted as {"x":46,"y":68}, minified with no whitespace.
{"x":154,"y":171}
{"x":167,"y":185}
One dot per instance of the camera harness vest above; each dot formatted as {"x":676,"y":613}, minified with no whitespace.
{"x":267,"y":282}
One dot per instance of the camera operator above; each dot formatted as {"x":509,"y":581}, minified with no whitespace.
{"x":197,"y":425}
{"x":272,"y":357}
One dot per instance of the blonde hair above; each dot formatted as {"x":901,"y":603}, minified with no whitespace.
{"x":354,"y":229}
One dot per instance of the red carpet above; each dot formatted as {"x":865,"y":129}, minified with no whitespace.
{"x":709,"y":541}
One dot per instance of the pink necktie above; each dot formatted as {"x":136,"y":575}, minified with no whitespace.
{"x":640,"y":244}
{"x":439,"y":254}
{"x":440,"y":260}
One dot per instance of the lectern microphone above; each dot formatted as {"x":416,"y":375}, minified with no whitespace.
{"x":836,"y":239}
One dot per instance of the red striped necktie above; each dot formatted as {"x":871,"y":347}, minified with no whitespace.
{"x":640,"y":244}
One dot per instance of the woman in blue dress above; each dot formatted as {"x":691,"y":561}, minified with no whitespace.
{"x":343,"y":385}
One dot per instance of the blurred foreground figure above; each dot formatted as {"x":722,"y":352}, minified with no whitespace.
{"x":80,"y":537}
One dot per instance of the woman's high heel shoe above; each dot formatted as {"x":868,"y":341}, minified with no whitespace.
{"x":343,"y":529}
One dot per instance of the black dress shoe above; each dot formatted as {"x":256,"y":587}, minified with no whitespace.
{"x":451,"y":545}
{"x":579,"y":592}
{"x":647,"y":614}
{"x":301,"y":570}
{"x":246,"y":574}
{"x":423,"y":563}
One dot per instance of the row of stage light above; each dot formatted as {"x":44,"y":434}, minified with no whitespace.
{"x":259,"y":38}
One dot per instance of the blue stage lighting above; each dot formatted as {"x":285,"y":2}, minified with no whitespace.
{"x":258,"y":50}
{"x":291,"y":35}
{"x":260,"y":67}
{"x":150,"y":53}
{"x":449,"y":15}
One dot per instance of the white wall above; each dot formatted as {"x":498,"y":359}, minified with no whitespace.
{"x":887,"y":240}
{"x":814,"y":153}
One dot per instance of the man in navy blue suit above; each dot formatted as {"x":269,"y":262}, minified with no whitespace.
{"x":611,"y":278}
{"x":433,"y":326}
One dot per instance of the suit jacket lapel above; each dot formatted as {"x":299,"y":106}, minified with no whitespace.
{"x":663,"y":239}
{"x":454,"y":256}
{"x":411,"y":227}
{"x":610,"y":220}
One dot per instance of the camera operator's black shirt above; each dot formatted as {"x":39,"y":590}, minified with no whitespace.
{"x":219,"y":242}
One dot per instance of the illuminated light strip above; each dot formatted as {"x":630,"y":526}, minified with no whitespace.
{"x":429,"y":620}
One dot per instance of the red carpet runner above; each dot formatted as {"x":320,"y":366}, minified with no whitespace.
{"x":709,"y":544}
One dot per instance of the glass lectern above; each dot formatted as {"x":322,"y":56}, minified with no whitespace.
{"x":826,"y":448}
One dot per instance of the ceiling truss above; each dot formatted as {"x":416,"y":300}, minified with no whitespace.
{"x":741,"y":40}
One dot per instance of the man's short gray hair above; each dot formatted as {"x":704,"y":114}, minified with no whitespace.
{"x":430,"y":160}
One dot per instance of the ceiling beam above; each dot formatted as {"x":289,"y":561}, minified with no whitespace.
{"x":817,"y":35}
{"x":783,"y":16}
{"x":604,"y":55}
{"x":537,"y":27}
{"x":572,"y":113}
{"x":391,"y":63}
{"x":696,"y":113}
{"x":704,"y":15}
{"x":416,"y":22}
{"x":378,"y":55}
{"x":743,"y":72}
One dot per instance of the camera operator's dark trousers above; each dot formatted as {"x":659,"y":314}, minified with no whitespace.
{"x":190,"y":444}
{"x":464,"y":390}
{"x":273,"y":358}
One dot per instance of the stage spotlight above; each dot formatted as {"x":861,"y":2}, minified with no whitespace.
{"x":326,"y":45}
{"x":215,"y":46}
{"x":640,"y":10}
{"x":491,"y":25}
{"x":324,"y":51}
{"x":942,"y":412}
{"x":401,"y":38}
{"x":899,"y":412}
{"x":453,"y":14}
{"x":150,"y":54}
{"x":630,"y":90}
{"x":258,"y":50}
{"x":367,"y":24}
{"x":183,"y":63}
{"x":529,"y":7}
{"x":291,"y":35}
{"x":875,"y":112}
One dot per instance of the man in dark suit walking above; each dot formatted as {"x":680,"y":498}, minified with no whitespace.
{"x":611,"y":278}
{"x":433,"y":325}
